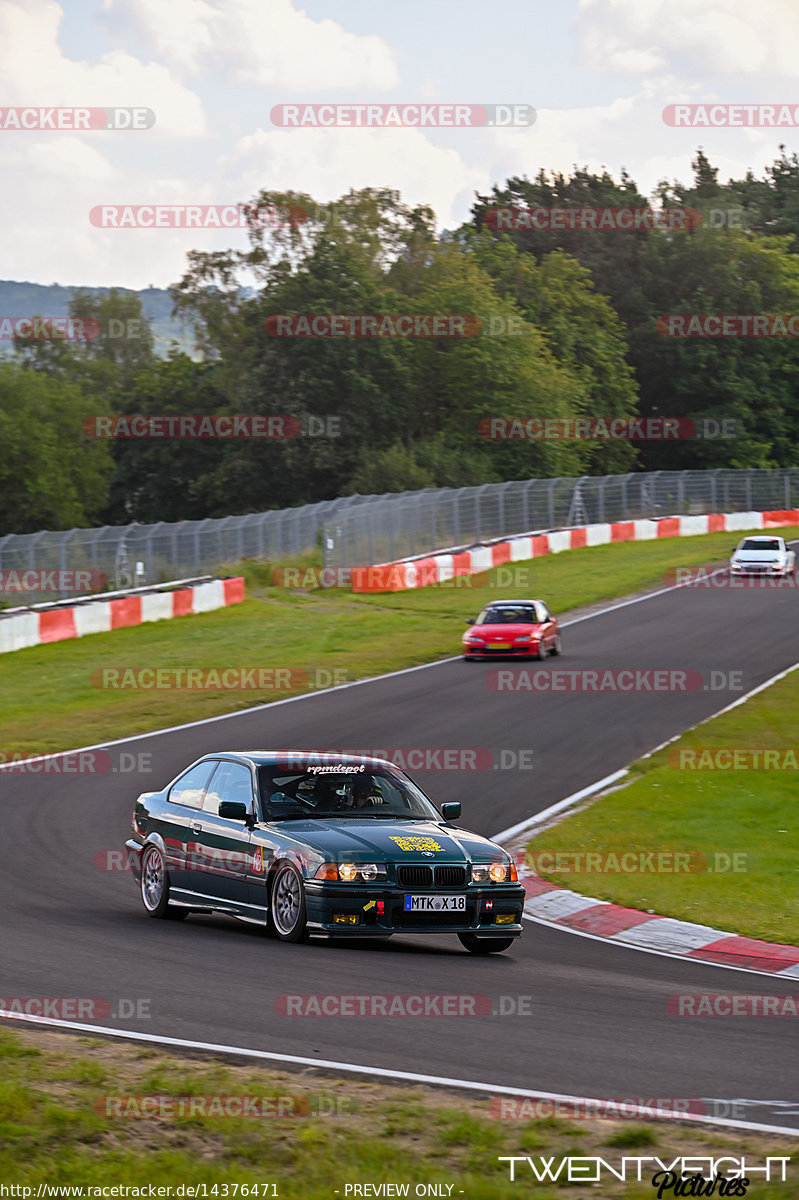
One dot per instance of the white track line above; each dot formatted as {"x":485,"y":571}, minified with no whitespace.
{"x":381,"y":1072}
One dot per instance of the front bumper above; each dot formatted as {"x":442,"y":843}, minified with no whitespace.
{"x":377,"y":911}
{"x":762,"y":569}
{"x":133,"y":858}
{"x":526,"y":650}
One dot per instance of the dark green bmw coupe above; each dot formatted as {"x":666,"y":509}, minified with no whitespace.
{"x":304,"y":842}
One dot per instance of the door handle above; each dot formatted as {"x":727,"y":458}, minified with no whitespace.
{"x":196,"y":827}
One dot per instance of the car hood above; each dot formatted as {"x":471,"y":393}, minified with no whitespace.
{"x":365,"y":839}
{"x":765,"y":556}
{"x":502,"y":633}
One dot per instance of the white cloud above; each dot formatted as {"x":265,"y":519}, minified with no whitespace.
{"x":631,"y":134}
{"x":327,"y":163}
{"x":262,"y":42}
{"x":728,"y":37}
{"x":34,"y":69}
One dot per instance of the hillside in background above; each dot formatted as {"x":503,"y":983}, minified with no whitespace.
{"x":36,"y":299}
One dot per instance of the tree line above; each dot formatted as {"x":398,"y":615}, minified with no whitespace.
{"x":559,"y":321}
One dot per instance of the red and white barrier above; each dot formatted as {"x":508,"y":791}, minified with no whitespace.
{"x":440,"y":568}
{"x":19,"y":630}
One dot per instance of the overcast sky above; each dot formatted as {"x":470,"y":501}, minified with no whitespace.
{"x":598,"y":73}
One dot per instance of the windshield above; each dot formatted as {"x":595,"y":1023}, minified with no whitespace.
{"x":341,"y":791}
{"x":519,"y":615}
{"x":759,"y":544}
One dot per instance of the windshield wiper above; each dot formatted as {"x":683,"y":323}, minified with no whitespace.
{"x":394,"y":816}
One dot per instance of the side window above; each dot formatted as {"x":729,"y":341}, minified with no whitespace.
{"x":232,"y":781}
{"x":188,"y":790}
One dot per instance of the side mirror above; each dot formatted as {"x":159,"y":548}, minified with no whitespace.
{"x":470,"y":620}
{"x":451,"y":812}
{"x":234,"y":810}
{"x":733,"y":549}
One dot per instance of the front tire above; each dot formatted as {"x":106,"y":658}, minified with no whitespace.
{"x":476,"y":945}
{"x":155,"y":887}
{"x":287,"y":905}
{"x":542,"y":650}
{"x":557,"y":646}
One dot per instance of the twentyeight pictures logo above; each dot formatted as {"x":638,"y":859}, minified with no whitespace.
{"x":399,"y":116}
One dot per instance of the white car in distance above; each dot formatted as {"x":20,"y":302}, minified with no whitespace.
{"x":762,"y":554}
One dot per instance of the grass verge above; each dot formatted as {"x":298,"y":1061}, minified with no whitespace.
{"x":739,"y":825}
{"x":57,"y":1090}
{"x":50,"y":699}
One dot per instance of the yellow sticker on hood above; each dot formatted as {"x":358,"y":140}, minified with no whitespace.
{"x":420,"y":844}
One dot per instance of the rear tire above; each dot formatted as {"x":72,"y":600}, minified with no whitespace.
{"x":155,"y":887}
{"x":476,"y":945}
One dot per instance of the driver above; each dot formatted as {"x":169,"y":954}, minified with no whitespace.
{"x":366,"y":791}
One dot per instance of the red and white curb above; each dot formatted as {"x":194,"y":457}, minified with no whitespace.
{"x":629,"y":927}
{"x":37,"y":628}
{"x":555,"y":905}
{"x":441,"y":568}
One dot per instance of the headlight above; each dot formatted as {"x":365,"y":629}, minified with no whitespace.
{"x":349,"y":872}
{"x":526,"y":637}
{"x":474,"y":639}
{"x":495,"y":872}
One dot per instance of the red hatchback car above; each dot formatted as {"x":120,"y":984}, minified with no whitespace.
{"x":512,"y":627}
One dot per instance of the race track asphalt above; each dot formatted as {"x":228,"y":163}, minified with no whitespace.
{"x":594,"y":1019}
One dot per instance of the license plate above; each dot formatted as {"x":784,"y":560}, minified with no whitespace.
{"x":500,"y":645}
{"x":435,"y":903}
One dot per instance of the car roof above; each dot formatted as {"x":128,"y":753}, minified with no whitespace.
{"x":511,"y":603}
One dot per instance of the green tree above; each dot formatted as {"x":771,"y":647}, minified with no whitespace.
{"x":52,"y":475}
